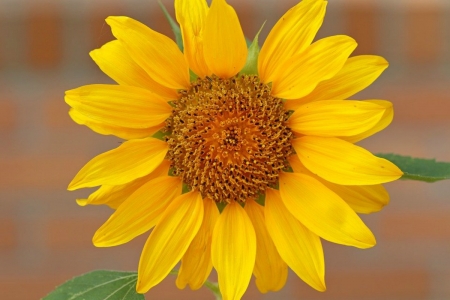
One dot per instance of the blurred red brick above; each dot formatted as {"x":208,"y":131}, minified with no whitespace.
{"x":167,"y":290}
{"x":8,"y":234}
{"x":38,"y":172}
{"x":36,"y":166}
{"x":71,"y":233}
{"x":56,"y":112}
{"x":8,"y":114}
{"x":422,"y":225}
{"x":157,"y":20}
{"x":424,"y":33}
{"x":426,"y":101}
{"x":44,"y":36}
{"x":247,"y":15}
{"x":30,"y":287}
{"x":100,"y":31}
{"x":361,"y":20}
{"x":370,"y":284}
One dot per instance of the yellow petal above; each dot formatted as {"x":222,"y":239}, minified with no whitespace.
{"x":300,"y":74}
{"x":357,"y":73}
{"x":191,"y":14}
{"x":196,"y":264}
{"x":131,"y":160}
{"x":292,"y":34}
{"x":169,"y":240}
{"x":114,"y":195}
{"x":322,"y":211}
{"x":298,"y":246}
{"x":224,"y":42}
{"x":233,"y":251}
{"x":341,"y":162}
{"x":385,"y":120}
{"x":335,"y":118}
{"x":118,"y":105}
{"x":139,"y":212}
{"x":157,"y":54}
{"x":107,"y":129}
{"x":114,"y":61}
{"x":364,"y":199}
{"x":270,"y":269}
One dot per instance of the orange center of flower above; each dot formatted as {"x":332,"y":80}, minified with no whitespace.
{"x":228,"y":138}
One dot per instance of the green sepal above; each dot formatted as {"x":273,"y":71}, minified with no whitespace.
{"x":261,"y":199}
{"x":185,"y":189}
{"x":175,"y":28}
{"x":192,"y":76}
{"x":248,"y":41}
{"x":428,"y":170}
{"x":160,"y":135}
{"x":101,"y":284}
{"x":251,"y":66}
{"x":221,"y":206}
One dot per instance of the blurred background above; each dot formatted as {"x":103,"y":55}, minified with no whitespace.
{"x":45,"y":238}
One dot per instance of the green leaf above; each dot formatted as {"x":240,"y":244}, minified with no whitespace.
{"x":101,"y":284}
{"x":175,"y":28}
{"x":251,"y":66}
{"x":428,"y":170}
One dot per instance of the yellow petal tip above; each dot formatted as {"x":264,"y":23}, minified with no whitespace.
{"x":72,"y":185}
{"x":140,"y":289}
{"x":368,"y":242}
{"x":98,"y":239}
{"x":323,"y":288}
{"x":181,"y":284}
{"x":82,"y":202}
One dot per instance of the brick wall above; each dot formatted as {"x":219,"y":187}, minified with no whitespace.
{"x":45,"y":238}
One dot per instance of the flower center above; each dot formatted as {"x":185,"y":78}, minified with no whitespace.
{"x":228,"y":138}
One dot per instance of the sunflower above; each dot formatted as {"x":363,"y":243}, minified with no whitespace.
{"x":241,"y":171}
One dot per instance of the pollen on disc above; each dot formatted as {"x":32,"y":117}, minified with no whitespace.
{"x":228,"y":138}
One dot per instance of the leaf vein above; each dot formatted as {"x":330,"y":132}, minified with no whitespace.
{"x":74,"y":296}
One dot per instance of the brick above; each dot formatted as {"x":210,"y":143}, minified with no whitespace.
{"x":56,"y":112}
{"x":44,"y":36}
{"x":157,"y":20}
{"x":424,"y":33}
{"x":369,"y":284}
{"x":71,"y":233}
{"x":247,"y":14}
{"x":167,"y":290}
{"x":30,"y":287}
{"x":100,"y":31}
{"x":361,"y":23}
{"x":8,"y":234}
{"x":422,"y":225}
{"x":419,"y":101}
{"x":8,"y":114}
{"x":38,"y":172}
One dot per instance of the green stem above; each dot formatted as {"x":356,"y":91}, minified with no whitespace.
{"x":214,"y":287}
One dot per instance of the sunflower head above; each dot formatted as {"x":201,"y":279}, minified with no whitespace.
{"x":283,"y":133}
{"x":228,"y":138}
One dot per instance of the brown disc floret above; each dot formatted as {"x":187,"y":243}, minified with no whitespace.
{"x":228,"y":138}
